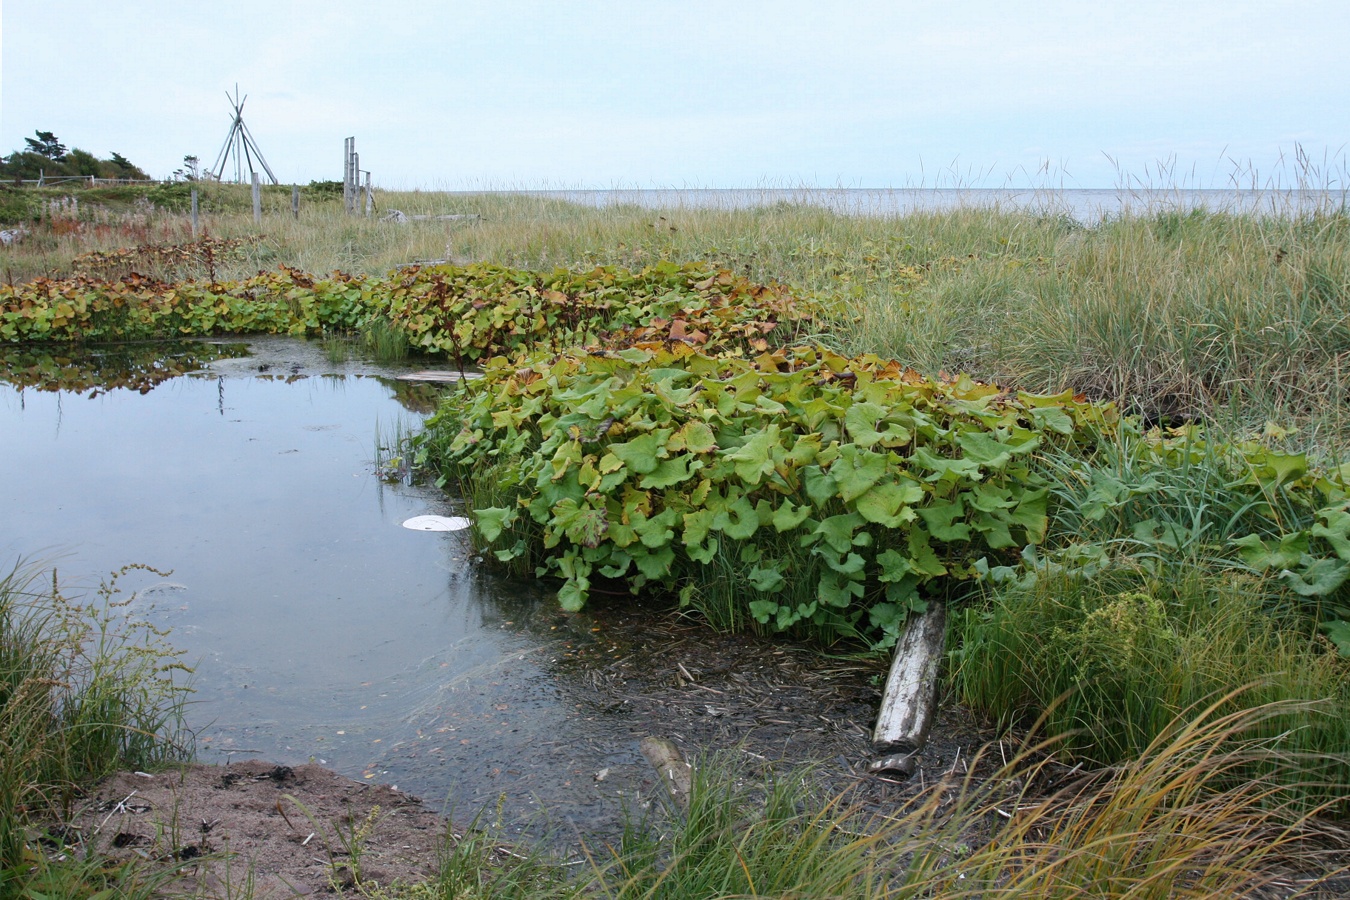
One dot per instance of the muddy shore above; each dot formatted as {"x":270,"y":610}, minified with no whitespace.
{"x":768,"y":705}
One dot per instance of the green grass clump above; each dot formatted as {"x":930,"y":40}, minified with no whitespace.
{"x":1111,"y":661}
{"x":84,"y":691}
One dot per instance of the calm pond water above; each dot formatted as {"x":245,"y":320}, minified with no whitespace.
{"x":319,"y":627}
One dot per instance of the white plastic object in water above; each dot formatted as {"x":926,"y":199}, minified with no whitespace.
{"x":437,"y":523}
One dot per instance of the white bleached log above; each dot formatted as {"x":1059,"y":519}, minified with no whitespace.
{"x":910,"y":698}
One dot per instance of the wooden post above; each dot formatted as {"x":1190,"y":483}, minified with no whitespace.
{"x":194,"y":214}
{"x":348,"y":175}
{"x":370,"y":196}
{"x":257,"y":199}
{"x":295,"y":201}
{"x":356,"y":180}
{"x":910,"y":698}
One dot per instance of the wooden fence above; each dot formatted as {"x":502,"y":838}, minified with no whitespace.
{"x":90,"y":180}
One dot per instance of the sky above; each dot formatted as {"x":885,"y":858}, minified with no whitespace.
{"x":694,"y":94}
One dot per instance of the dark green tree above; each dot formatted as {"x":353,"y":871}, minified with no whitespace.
{"x":47,"y":145}
{"x":82,"y":162}
{"x":125,"y":168}
{"x":191,"y":170}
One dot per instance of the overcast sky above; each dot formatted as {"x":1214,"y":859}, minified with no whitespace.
{"x":688,"y":93}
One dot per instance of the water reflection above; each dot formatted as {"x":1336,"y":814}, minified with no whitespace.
{"x":320,"y":627}
{"x":137,"y":367}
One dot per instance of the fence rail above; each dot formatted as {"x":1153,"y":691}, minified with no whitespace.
{"x":83,"y":179}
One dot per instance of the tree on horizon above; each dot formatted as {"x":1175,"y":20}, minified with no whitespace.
{"x":45,"y":155}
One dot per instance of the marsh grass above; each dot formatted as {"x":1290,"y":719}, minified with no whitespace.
{"x":1178,"y":315}
{"x":1185,"y":820}
{"x":84,"y":690}
{"x":383,"y":342}
{"x":337,"y":347}
{"x":1111,"y":661}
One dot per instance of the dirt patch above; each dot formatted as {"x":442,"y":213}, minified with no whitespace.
{"x":292,"y":831}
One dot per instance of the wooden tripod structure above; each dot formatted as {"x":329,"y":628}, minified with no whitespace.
{"x":240,"y":144}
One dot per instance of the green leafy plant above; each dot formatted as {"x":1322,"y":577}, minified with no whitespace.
{"x":835,"y":491}
{"x":468,"y":313}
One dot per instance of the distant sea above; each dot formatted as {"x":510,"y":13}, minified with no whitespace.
{"x":1086,"y":206}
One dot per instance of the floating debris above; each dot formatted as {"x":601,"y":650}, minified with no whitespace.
{"x":437,"y":523}
{"x":440,"y":375}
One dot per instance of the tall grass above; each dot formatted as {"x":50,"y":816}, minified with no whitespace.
{"x":1110,"y":662}
{"x":1175,"y":314}
{"x":1184,"y":820}
{"x":1139,"y":609}
{"x":84,"y":690}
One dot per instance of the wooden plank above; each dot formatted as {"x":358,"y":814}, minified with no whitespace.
{"x":676,"y":774}
{"x":910,"y":698}
{"x":440,"y":376}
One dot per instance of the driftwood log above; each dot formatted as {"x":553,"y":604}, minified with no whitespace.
{"x":399,"y":217}
{"x":676,"y":774}
{"x":910,"y":698}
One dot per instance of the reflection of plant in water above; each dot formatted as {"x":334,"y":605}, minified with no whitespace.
{"x":417,"y":396}
{"x":139,"y":368}
{"x":393,"y":454}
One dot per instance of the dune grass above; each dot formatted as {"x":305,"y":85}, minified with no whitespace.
{"x":84,"y":691}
